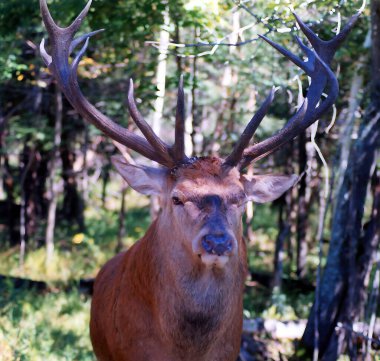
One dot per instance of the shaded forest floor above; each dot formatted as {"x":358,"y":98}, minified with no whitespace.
{"x":52,"y":324}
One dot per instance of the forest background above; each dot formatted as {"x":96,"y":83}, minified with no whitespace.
{"x":64,"y":211}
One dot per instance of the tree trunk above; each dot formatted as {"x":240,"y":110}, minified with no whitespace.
{"x":342,"y":285}
{"x":121,"y":233}
{"x":302,"y":214}
{"x":283,"y":233}
{"x":84,"y":172}
{"x":11,"y":218}
{"x":26,"y":207}
{"x":105,"y":180}
{"x":349,"y":116}
{"x":226,"y":109}
{"x":250,"y":235}
{"x":52,"y":193}
{"x":193,"y":121}
{"x":159,"y":103}
{"x":73,"y":206}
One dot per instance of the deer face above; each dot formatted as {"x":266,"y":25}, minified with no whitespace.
{"x":206,"y":204}
{"x":202,"y":203}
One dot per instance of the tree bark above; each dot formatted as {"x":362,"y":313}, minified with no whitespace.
{"x":12,"y":218}
{"x":302,"y":214}
{"x":350,"y":253}
{"x":73,"y":206}
{"x":52,"y":193}
{"x":283,"y":233}
{"x":26,"y":207}
{"x":121,"y":233}
{"x":159,"y":102}
{"x":193,"y":121}
{"x":349,"y":117}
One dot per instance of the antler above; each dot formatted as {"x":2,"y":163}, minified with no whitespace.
{"x":317,"y":67}
{"x":63,"y":44}
{"x":179,"y":144}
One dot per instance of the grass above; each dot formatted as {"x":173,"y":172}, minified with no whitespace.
{"x":54,"y":325}
{"x":77,"y":255}
{"x":49,"y":326}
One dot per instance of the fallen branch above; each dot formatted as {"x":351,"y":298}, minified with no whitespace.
{"x":265,"y":279}
{"x":83,"y":286}
{"x":293,"y":330}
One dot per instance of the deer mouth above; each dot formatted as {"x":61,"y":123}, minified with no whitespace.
{"x":214,"y":260}
{"x":214,"y":250}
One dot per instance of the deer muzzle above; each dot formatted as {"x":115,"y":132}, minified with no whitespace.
{"x":218,"y":244}
{"x":215,"y":248}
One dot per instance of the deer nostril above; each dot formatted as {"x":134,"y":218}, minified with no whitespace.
{"x":217,"y":244}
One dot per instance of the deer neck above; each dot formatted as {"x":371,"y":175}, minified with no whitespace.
{"x":190,"y":304}
{"x":177,"y":269}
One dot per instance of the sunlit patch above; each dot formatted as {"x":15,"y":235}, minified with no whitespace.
{"x":78,"y":238}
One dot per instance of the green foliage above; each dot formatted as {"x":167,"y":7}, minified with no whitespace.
{"x":279,"y":307}
{"x":228,"y":85}
{"x":51,"y":326}
{"x":78,"y":255}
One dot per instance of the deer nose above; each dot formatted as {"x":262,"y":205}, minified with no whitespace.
{"x":219,"y":244}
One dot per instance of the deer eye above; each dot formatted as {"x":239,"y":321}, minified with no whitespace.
{"x":176,"y":201}
{"x":238,"y":200}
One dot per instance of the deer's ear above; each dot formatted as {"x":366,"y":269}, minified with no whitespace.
{"x":145,"y":180}
{"x":267,"y":188}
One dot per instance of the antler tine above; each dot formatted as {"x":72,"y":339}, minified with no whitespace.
{"x":234,"y":158}
{"x":293,"y":58}
{"x":62,"y":44}
{"x":50,"y":25}
{"x":75,"y":25}
{"x":307,"y":115}
{"x":44,"y":54}
{"x":145,"y":128}
{"x":327,"y":49}
{"x":318,"y":69}
{"x":178,"y":149}
{"x":82,"y":38}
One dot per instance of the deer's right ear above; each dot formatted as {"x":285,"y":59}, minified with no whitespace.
{"x":267,"y":188}
{"x":145,"y":180}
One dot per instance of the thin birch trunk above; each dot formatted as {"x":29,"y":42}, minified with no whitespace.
{"x":121,"y":233}
{"x":161,"y":86}
{"x":52,"y":201}
{"x":349,"y":119}
{"x":229,"y":81}
{"x":283,"y":233}
{"x":23,"y":211}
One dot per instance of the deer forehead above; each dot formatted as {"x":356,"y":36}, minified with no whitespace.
{"x":207,"y":176}
{"x":206,"y":185}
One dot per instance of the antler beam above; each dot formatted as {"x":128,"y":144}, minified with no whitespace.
{"x":317,"y":67}
{"x":62,"y":44}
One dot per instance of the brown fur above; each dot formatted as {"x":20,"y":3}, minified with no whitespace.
{"x":157,"y":301}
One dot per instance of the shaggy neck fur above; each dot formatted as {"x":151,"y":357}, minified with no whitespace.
{"x":194,"y":302}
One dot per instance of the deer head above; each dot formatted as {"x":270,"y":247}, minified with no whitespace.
{"x":202,"y":202}
{"x":202,"y":198}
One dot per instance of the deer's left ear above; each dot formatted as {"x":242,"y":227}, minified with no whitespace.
{"x":267,"y":188}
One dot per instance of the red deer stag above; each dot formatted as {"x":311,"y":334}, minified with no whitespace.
{"x":177,"y":293}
